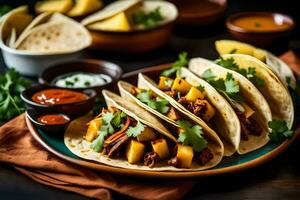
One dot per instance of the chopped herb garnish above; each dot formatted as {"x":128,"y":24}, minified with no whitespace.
{"x":182,"y":61}
{"x":76,"y":79}
{"x":191,"y":135}
{"x":87,"y":83}
{"x":168,"y":82}
{"x":69,"y":83}
{"x":136,"y":130}
{"x":109,"y":120}
{"x":233,"y":51}
{"x":228,"y":86}
{"x":257,"y":24}
{"x":249,"y":73}
{"x":280,"y":131}
{"x":149,"y":19}
{"x":11,"y":85}
{"x":159,"y":104}
{"x":201,"y":88}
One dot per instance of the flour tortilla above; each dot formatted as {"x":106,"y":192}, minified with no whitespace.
{"x":40,"y":19}
{"x":59,"y":35}
{"x":76,"y":144}
{"x":274,"y":91}
{"x":252,"y":96}
{"x":110,"y":10}
{"x":225,"y":121}
{"x":17,"y":19}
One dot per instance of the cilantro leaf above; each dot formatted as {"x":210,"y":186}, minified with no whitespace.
{"x":192,"y":135}
{"x":4,"y":9}
{"x":182,"y":61}
{"x":117,"y":120}
{"x":249,"y":73}
{"x":280,"y":131}
{"x":201,"y":88}
{"x":135,"y":131}
{"x":168,"y":82}
{"x":208,"y":75}
{"x":11,"y":85}
{"x":149,"y":19}
{"x":159,"y":104}
{"x":230,"y":85}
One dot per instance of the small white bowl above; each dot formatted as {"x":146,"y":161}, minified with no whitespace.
{"x":32,"y":64}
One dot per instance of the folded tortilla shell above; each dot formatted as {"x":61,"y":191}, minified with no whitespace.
{"x":76,"y":144}
{"x":274,"y":91}
{"x":252,"y":96}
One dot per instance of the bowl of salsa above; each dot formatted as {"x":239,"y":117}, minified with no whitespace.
{"x":49,"y":99}
{"x":51,"y":123}
{"x":259,"y":28}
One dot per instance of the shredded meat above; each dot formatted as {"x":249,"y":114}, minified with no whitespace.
{"x":198,"y":107}
{"x":112,"y":149}
{"x":205,"y":156}
{"x":249,"y":126}
{"x":150,"y":159}
{"x":172,"y":94}
{"x":175,"y":162}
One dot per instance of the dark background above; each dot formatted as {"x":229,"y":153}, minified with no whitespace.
{"x":278,"y":179}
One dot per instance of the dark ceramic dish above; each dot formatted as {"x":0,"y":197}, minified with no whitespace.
{"x":259,"y":38}
{"x":73,"y":110}
{"x":32,"y":115}
{"x":87,"y":66}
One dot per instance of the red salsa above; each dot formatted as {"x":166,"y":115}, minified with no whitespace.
{"x":53,"y":119}
{"x":58,"y":96}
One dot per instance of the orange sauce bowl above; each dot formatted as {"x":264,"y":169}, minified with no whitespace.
{"x":259,"y":28}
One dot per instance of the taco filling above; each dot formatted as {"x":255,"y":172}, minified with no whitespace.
{"x":114,"y":134}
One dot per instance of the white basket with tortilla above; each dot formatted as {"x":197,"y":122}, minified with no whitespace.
{"x":30,"y":45}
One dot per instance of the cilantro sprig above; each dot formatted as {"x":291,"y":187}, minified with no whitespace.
{"x":109,"y":122}
{"x":149,"y":19}
{"x":4,"y":9}
{"x":136,"y":130}
{"x":228,"y":86}
{"x":280,"y":131}
{"x":182,"y":61}
{"x":159,"y":104}
{"x":11,"y":85}
{"x":249,"y":73}
{"x":192,"y":135}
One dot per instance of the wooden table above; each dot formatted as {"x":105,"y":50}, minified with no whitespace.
{"x":278,"y":179}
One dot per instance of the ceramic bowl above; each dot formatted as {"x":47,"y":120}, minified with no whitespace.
{"x":139,"y":40}
{"x":87,"y":66}
{"x":259,"y":38}
{"x":72,"y":110}
{"x":52,"y":129}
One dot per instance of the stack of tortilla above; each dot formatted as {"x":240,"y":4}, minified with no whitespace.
{"x":46,"y":34}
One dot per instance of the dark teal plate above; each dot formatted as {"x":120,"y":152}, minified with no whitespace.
{"x":55,"y":144}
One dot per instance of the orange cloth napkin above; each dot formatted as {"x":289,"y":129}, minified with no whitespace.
{"x":19,"y":149}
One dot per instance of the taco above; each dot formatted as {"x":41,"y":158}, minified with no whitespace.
{"x":266,"y":81}
{"x":199,"y":101}
{"x":127,"y":136}
{"x":249,"y":104}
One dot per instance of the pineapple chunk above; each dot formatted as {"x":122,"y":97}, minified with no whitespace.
{"x":185,"y":155}
{"x":165,"y":83}
{"x":260,"y":54}
{"x":118,"y":22}
{"x":193,"y":94}
{"x":160,"y":147}
{"x":181,"y":86}
{"x":135,"y":151}
{"x":61,"y":6}
{"x":248,"y":111}
{"x":146,"y":135}
{"x":92,"y":131}
{"x":84,"y":7}
{"x":209,"y":112}
{"x":173,"y":114}
{"x":228,"y":46}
